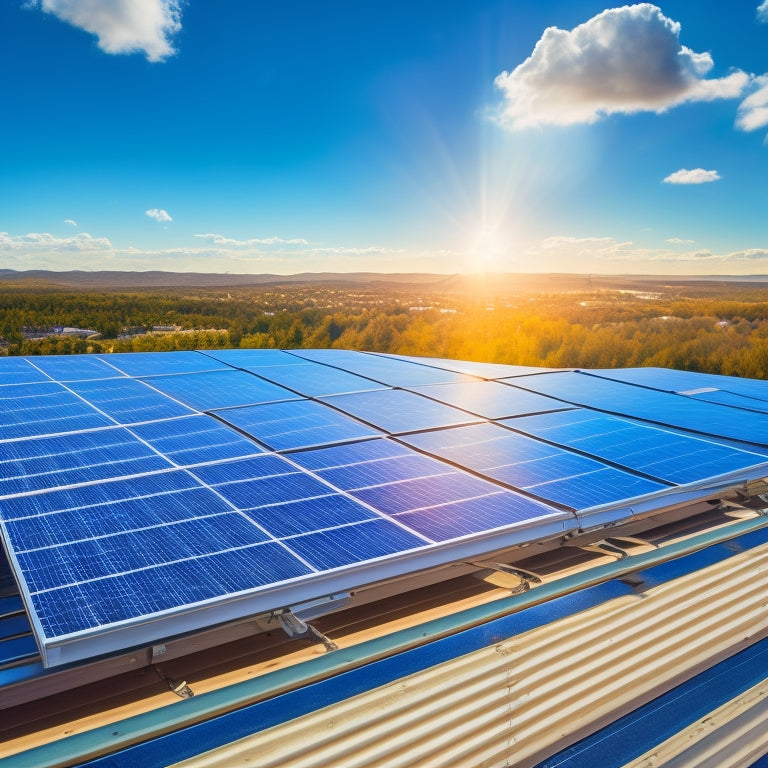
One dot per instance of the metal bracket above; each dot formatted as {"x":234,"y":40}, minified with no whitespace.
{"x":612,"y":546}
{"x":524,"y":578}
{"x":179,"y":687}
{"x":294,"y":627}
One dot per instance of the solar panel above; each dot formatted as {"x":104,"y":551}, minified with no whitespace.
{"x":578,"y":388}
{"x":80,"y":367}
{"x":315,"y":380}
{"x":489,"y":398}
{"x":666,"y":456}
{"x":386,"y":370}
{"x":218,"y":389}
{"x":546,"y":471}
{"x":45,"y":408}
{"x":297,"y":424}
{"x":143,"y":496}
{"x":397,"y":410}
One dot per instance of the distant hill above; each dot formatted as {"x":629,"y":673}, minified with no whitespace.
{"x":503,"y":282}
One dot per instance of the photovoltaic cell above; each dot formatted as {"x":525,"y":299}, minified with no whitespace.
{"x":353,"y":543}
{"x":28,"y":410}
{"x":397,"y":411}
{"x":298,"y":424}
{"x":18,"y":370}
{"x":75,"y":367}
{"x":548,"y":472}
{"x":128,"y":401}
{"x":664,"y":455}
{"x":74,"y":608}
{"x":219,"y":389}
{"x":313,"y":380}
{"x":185,"y":520}
{"x":663,"y":408}
{"x":48,"y":462}
{"x":139,"y":364}
{"x":470,"y":368}
{"x":490,"y":399}
{"x":669,"y":380}
{"x":385,"y":370}
{"x":195,"y":439}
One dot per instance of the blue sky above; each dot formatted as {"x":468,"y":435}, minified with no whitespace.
{"x":253,"y":137}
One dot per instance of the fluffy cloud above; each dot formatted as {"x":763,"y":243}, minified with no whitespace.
{"x":222,"y":240}
{"x":762,"y":12}
{"x":623,"y":60}
{"x":123,"y":26}
{"x":679,"y":241}
{"x":694,"y":176}
{"x":159,"y":215}
{"x":753,"y":111}
{"x":71,"y":222}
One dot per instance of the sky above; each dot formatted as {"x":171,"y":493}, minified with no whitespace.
{"x":459,"y":136}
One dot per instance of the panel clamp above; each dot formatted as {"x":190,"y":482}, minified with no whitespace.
{"x":297,"y":629}
{"x":521,"y":578}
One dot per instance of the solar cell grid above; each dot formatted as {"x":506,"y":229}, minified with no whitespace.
{"x":161,"y":363}
{"x":668,"y":456}
{"x":397,"y":411}
{"x":195,"y":440}
{"x":107,"y":518}
{"x":490,"y":399}
{"x":313,"y":380}
{"x":218,"y":389}
{"x":109,"y":532}
{"x":75,"y":367}
{"x":128,"y":401}
{"x":17,"y":370}
{"x":298,"y":424}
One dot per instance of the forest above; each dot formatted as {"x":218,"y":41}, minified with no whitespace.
{"x":712,"y":327}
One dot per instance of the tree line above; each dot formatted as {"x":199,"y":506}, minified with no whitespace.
{"x":710,"y":334}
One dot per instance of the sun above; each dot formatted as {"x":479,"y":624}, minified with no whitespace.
{"x":488,"y":251}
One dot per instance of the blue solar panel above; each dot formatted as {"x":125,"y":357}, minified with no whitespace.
{"x":354,"y":543}
{"x":195,"y":440}
{"x":385,"y":370}
{"x":243,"y":469}
{"x":76,"y":607}
{"x":219,"y":389}
{"x":298,"y":424}
{"x":253,"y":359}
{"x":732,"y":399}
{"x":313,"y":380}
{"x":548,"y":472}
{"x":155,"y":363}
{"x":17,"y":370}
{"x":397,"y":411}
{"x":75,"y":367}
{"x":659,"y":407}
{"x":490,"y":399}
{"x":471,"y":368}
{"x":306,"y":515}
{"x":666,"y":379}
{"x":49,"y":529}
{"x":98,"y":496}
{"x":665,"y":455}
{"x":47,"y":462}
{"x":186,"y":519}
{"x":275,"y":489}
{"x":128,"y":401}
{"x":28,"y":410}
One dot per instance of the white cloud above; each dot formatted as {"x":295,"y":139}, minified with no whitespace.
{"x":694,"y":176}
{"x":678,"y":241}
{"x":753,"y":111}
{"x":623,"y":60}
{"x":762,"y":12}
{"x":122,"y":26}
{"x":222,"y":240}
{"x":71,"y":222}
{"x":159,"y":215}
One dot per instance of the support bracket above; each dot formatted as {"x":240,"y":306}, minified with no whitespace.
{"x":295,"y":628}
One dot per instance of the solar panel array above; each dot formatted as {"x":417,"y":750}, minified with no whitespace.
{"x":146,"y":495}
